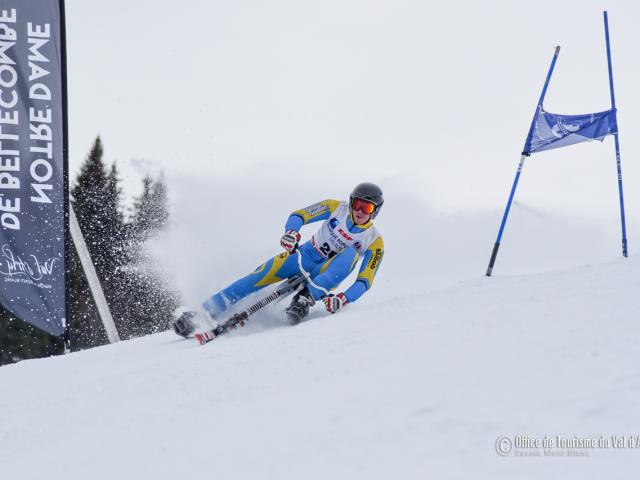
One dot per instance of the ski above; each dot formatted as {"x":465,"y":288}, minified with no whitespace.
{"x":239,"y":319}
{"x":208,"y":335}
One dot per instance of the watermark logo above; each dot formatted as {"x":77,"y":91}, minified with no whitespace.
{"x":562,"y":445}
{"x":504,"y":445}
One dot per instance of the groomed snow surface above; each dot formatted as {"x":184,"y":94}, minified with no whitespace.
{"x":418,"y":386}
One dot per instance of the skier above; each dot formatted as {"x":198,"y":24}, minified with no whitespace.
{"x":331,"y":254}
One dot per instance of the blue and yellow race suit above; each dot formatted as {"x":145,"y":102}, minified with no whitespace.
{"x":329,"y":257}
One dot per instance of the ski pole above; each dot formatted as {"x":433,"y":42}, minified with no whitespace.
{"x":289,"y":286}
{"x":307,"y":275}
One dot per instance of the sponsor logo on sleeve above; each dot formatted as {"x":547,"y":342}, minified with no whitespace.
{"x":376,"y":259}
{"x":316,"y":209}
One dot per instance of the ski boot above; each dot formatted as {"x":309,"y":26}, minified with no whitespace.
{"x":299,"y":307}
{"x":184,"y":324}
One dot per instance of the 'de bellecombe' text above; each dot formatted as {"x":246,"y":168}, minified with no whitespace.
{"x":39,"y":159}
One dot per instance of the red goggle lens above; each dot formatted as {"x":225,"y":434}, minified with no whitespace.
{"x":363,"y":206}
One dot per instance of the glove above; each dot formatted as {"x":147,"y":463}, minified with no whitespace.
{"x":333,"y":303}
{"x":289,"y":240}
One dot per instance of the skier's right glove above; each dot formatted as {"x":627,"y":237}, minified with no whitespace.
{"x":289,"y":240}
{"x":333,"y":303}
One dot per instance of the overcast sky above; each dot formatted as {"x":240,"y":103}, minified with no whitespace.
{"x":438,"y":96}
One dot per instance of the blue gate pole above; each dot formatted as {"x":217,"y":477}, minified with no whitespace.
{"x":617,"y":141}
{"x":525,"y":154}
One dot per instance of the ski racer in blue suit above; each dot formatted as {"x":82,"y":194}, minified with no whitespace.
{"x":346,"y":235}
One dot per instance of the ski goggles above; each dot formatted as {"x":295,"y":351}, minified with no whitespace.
{"x":363,"y":205}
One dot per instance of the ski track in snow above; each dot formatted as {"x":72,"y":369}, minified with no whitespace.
{"x":414,"y":387}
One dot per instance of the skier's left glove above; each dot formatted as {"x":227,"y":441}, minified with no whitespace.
{"x":290,"y":240}
{"x":333,"y":303}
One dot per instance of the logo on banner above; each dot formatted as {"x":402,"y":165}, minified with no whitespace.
{"x":562,"y":129}
{"x":12,"y":265}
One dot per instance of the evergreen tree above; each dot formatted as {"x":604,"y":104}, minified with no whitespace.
{"x":150,"y":209}
{"x":141,"y":209}
{"x":160,"y":205}
{"x":114,"y":234}
{"x":95,"y":199}
{"x":86,"y":194}
{"x":153,"y":301}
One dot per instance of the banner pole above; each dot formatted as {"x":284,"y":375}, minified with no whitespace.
{"x":616,"y":139}
{"x":496,"y":246}
{"x":525,"y":154}
{"x":65,"y":175}
{"x":92,"y":278}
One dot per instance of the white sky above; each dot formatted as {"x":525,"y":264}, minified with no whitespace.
{"x":438,"y":96}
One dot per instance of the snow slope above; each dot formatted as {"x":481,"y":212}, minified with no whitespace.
{"x":416,"y":386}
{"x":287,"y":105}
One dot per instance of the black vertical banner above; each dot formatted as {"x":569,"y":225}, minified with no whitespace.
{"x":33,"y":170}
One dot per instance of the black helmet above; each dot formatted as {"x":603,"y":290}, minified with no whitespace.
{"x":370,"y":192}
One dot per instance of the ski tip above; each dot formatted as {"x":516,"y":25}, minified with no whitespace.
{"x":204,"y":337}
